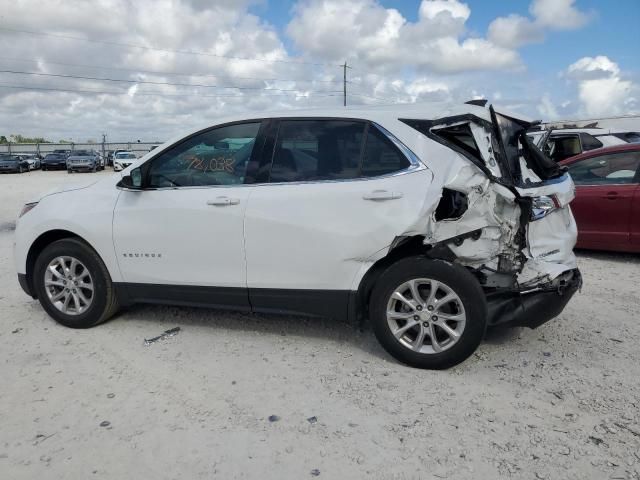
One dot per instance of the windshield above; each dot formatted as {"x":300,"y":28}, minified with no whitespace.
{"x":125,"y":155}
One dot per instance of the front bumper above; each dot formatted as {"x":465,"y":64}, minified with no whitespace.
{"x":61,"y":165}
{"x":9,"y":168}
{"x":532,"y":309}
{"x":83,"y":167}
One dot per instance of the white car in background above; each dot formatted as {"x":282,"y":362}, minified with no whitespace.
{"x":122,"y":160}
{"x":430,"y":221}
{"x":560,"y":144}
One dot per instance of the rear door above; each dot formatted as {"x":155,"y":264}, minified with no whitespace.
{"x":605,"y":188}
{"x":338,"y":192}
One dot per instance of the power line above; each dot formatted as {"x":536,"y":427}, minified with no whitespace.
{"x":184,"y":52}
{"x":150,"y":82}
{"x":158,"y":72}
{"x":159,"y":94}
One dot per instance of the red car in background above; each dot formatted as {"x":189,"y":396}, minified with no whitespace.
{"x":607,"y":203}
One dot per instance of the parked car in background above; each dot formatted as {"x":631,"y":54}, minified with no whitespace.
{"x":607,"y":203}
{"x":565,"y":143}
{"x":62,"y":152}
{"x":324,"y":212}
{"x":122,"y":160}
{"x":101,"y":160}
{"x":83,"y":161}
{"x":54,"y":161}
{"x":32,"y":158}
{"x":109,"y":157}
{"x":13,"y":163}
{"x":630,"y":137}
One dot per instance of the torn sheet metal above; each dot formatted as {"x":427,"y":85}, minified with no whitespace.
{"x":494,"y":215}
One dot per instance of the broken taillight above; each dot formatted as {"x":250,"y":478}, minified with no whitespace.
{"x":543,"y":206}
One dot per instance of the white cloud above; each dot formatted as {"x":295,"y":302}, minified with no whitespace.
{"x":558,"y":14}
{"x":382,"y":39}
{"x":547,"y":108}
{"x":601,"y":88}
{"x":514,"y":30}
{"x":589,"y":68}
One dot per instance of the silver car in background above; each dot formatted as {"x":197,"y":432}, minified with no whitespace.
{"x":83,"y":161}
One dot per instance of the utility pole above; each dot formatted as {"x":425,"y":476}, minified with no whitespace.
{"x":104,"y":140}
{"x":344,"y":83}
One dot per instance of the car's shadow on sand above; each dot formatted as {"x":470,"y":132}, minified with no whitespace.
{"x":357,"y":335}
{"x":259,"y":324}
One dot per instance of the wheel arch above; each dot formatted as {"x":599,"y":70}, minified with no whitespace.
{"x":40,"y":243}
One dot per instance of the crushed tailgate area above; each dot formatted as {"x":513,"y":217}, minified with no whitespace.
{"x":169,"y":392}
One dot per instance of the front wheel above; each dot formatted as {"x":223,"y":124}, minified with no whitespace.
{"x":73,"y":284}
{"x":428,"y":313}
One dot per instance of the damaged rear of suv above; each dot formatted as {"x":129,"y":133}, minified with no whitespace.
{"x":432,"y":222}
{"x":504,"y":216}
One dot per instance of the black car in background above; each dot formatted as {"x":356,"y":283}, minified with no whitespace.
{"x":13,"y":163}
{"x":54,"y":161}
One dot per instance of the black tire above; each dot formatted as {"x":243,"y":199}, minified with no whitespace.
{"x":455,"y":277}
{"x":104,"y":303}
{"x":44,"y":169}
{"x":20,"y":169}
{"x":69,"y":171}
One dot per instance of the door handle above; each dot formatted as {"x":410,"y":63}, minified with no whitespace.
{"x":611,"y":195}
{"x":223,"y":201}
{"x":381,"y":195}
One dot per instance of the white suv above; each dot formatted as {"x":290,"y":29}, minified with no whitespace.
{"x":431,"y":221}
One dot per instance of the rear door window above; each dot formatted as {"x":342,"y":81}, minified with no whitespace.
{"x":311,"y":150}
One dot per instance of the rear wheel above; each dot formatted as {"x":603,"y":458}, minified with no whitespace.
{"x":428,"y":313}
{"x":73,"y":284}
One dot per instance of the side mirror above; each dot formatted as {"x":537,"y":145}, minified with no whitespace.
{"x":133,"y":181}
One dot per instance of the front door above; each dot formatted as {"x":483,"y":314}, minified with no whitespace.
{"x":605,"y":187}
{"x":185,"y":228}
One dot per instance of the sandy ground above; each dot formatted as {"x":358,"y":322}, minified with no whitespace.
{"x":560,"y":402}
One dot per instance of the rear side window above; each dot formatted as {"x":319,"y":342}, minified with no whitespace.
{"x":589,"y":142}
{"x":308,"y":150}
{"x":381,"y":156}
{"x":616,"y":168}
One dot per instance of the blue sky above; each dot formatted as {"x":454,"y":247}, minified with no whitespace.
{"x":613,"y":31}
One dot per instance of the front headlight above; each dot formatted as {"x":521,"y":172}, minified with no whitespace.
{"x":543,"y":206}
{"x":27,"y":208}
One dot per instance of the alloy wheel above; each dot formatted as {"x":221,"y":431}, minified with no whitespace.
{"x":69,"y":285}
{"x":425,"y":315}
